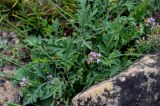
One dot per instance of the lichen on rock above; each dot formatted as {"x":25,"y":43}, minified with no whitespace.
{"x":139,"y":85}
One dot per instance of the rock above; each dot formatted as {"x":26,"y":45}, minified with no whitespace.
{"x":139,"y":85}
{"x":4,"y":34}
{"x":8,"y":91}
{"x":9,"y":38}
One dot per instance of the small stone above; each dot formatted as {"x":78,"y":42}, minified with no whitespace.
{"x":11,"y":34}
{"x":4,"y":34}
{"x":16,"y":40}
{"x":14,"y":35}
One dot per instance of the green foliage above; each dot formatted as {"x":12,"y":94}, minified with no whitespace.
{"x":61,"y":39}
{"x":140,"y":10}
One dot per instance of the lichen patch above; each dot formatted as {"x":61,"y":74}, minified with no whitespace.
{"x":96,"y":91}
{"x":148,"y":60}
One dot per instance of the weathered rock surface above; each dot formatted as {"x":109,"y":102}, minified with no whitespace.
{"x":8,"y":92}
{"x":139,"y":85}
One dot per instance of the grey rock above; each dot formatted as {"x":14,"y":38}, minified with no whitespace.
{"x":139,"y":85}
{"x":8,"y":91}
{"x":4,"y":34}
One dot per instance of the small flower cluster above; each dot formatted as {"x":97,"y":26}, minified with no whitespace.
{"x":50,"y":76}
{"x":93,"y":57}
{"x":150,"y":22}
{"x":24,"y":82}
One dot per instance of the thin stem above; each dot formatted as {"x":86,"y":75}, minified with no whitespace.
{"x":60,"y":9}
{"x":15,"y":63}
{"x":22,"y":34}
{"x":130,"y":54}
{"x":6,"y":76}
{"x":100,"y":32}
{"x":9,"y":60}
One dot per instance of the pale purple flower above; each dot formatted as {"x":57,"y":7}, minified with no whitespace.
{"x":93,"y":57}
{"x":98,"y":61}
{"x":147,"y":24}
{"x":151,"y":19}
{"x":50,"y":76}
{"x":24,"y":82}
{"x":90,"y":60}
{"x":150,"y":22}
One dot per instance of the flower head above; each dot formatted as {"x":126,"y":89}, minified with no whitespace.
{"x":23,"y":82}
{"x":50,"y":76}
{"x":93,"y":57}
{"x":150,"y":22}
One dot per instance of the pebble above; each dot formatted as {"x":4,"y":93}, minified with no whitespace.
{"x":4,"y":34}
